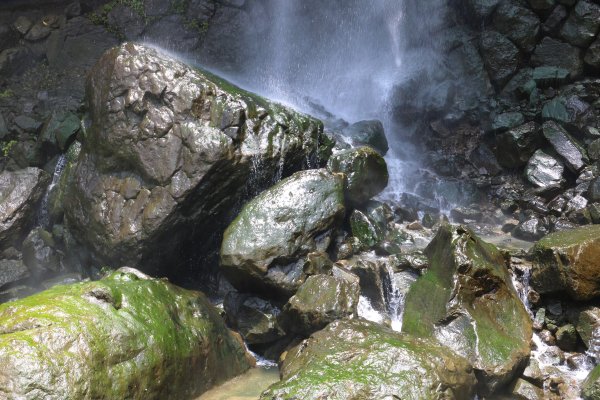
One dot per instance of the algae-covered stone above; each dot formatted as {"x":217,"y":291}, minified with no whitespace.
{"x":568,"y":261}
{"x":196,"y":144}
{"x":366,"y":173}
{"x":320,"y":300}
{"x":126,"y":336}
{"x":591,"y":385}
{"x":355,"y":359}
{"x":368,"y":233}
{"x":467,"y":302}
{"x":265,"y":246}
{"x":254,"y":318}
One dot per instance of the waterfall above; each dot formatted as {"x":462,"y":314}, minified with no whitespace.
{"x":43,"y":217}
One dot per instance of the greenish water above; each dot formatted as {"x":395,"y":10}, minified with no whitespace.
{"x":248,"y":386}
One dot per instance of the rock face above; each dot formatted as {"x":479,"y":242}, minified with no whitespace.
{"x":568,"y":261}
{"x":467,"y":302}
{"x":170,"y":151}
{"x":356,"y":359}
{"x":125,"y":336}
{"x":264,"y":247}
{"x":591,"y":385}
{"x":20,"y":193}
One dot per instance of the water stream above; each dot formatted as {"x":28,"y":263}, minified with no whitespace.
{"x":43,"y":217}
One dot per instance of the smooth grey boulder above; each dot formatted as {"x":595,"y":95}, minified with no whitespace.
{"x":20,"y":194}
{"x":552,"y":52}
{"x":583,"y":24}
{"x":368,"y":133}
{"x":170,"y":152}
{"x":544,"y":170}
{"x":263,"y":249}
{"x":501,"y":57}
{"x":566,"y":146}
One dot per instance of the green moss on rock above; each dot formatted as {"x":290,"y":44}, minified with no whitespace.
{"x":126,"y":336}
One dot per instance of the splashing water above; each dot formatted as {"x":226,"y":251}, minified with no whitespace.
{"x":43,"y":217}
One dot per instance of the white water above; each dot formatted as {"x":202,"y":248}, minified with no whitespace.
{"x":43,"y":217}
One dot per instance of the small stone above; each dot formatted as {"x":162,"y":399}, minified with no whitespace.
{"x":548,"y":338}
{"x":555,"y":110}
{"x":566,"y":337}
{"x":539,"y":320}
{"x":28,"y":124}
{"x":506,"y":121}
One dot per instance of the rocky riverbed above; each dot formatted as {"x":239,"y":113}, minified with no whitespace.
{"x":129,"y":172}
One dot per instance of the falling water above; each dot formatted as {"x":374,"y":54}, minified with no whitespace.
{"x":43,"y":213}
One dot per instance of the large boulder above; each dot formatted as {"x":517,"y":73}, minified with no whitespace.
{"x":583,"y":24}
{"x":356,"y":359}
{"x":20,"y":194}
{"x":565,"y":145}
{"x":555,"y":53}
{"x":365,"y":170}
{"x":170,"y":153}
{"x":123,"y":337}
{"x":515,"y":147}
{"x":568,"y":261}
{"x":501,"y":57}
{"x":468,"y":303}
{"x":320,"y":300}
{"x":518,"y":23}
{"x":264,"y":248}
{"x":368,"y":133}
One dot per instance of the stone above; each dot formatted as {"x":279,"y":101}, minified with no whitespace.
{"x":501,"y":57}
{"x":368,"y":233}
{"x":552,"y":52}
{"x":542,"y":5}
{"x":505,"y":121}
{"x":354,"y":359}
{"x":321,"y":300}
{"x":583,"y":24}
{"x":592,"y":55}
{"x":73,"y":9}
{"x":20,"y":193}
{"x":544,"y":170}
{"x":365,"y":171}
{"x":196,"y":144}
{"x":531,"y":229}
{"x":555,"y":20}
{"x":143,"y":331}
{"x":39,"y":254}
{"x":588,"y":328}
{"x":26,"y":123}
{"x":12,"y":271}
{"x":524,"y":390}
{"x":550,"y":76}
{"x":568,"y":262}
{"x":15,"y":61}
{"x":515,"y":147}
{"x":594,"y":150}
{"x":566,"y":146}
{"x":555,"y":110}
{"x":37,"y":32}
{"x":467,"y":302}
{"x":518,"y":23}
{"x":22,"y":24}
{"x":368,"y":133}
{"x":462,"y":214}
{"x":590,"y":387}
{"x":264,"y":247}
{"x":254,"y":318}
{"x":61,"y":129}
{"x":481,"y":9}
{"x":566,"y":338}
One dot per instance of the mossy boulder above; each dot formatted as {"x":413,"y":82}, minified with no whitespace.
{"x":366,"y":173}
{"x":265,"y":247}
{"x":356,"y":359}
{"x":568,"y":262}
{"x":467,"y":301}
{"x":171,"y":151}
{"x":320,"y":300}
{"x":126,"y":336}
{"x":591,"y":385}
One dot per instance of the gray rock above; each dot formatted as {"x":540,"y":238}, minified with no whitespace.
{"x":592,"y":55}
{"x":593,"y":192}
{"x":531,"y":229}
{"x":566,"y":337}
{"x":365,"y":170}
{"x":12,"y":271}
{"x":544,"y":170}
{"x":555,"y":20}
{"x":567,"y":147}
{"x":196,"y":145}
{"x":590,"y":387}
{"x":518,"y":23}
{"x":552,"y":52}
{"x":515,"y":147}
{"x":542,"y":5}
{"x":481,"y":9}
{"x":20,"y":193}
{"x":583,"y":24}
{"x":264,"y":248}
{"x":22,"y":24}
{"x":28,"y":124}
{"x":368,"y":233}
{"x":505,"y":121}
{"x":588,"y":328}
{"x":556,"y":110}
{"x":321,"y":300}
{"x":254,"y":318}
{"x":15,"y":61}
{"x":501,"y":57}
{"x":368,"y":133}
{"x":550,"y":76}
{"x":39,"y":254}
{"x":37,"y":32}
{"x":525,"y":390}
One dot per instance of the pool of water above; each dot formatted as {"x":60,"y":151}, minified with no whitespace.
{"x":248,"y":386}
